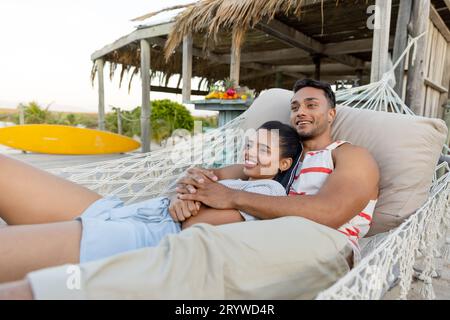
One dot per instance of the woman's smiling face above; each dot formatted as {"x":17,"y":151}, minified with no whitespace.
{"x":262,"y":154}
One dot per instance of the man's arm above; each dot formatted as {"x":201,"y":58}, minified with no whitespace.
{"x":353,"y":183}
{"x":198,"y":175}
{"x":348,"y":190}
{"x":213,"y":217}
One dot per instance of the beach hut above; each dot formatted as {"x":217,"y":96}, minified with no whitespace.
{"x":263,"y":44}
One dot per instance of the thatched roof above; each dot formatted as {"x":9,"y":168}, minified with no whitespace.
{"x":211,"y":23}
{"x":211,"y":16}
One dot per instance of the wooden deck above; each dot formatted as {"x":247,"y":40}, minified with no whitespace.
{"x":48,"y":161}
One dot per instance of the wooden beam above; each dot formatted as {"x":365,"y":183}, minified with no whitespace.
{"x":339,"y":73}
{"x":145,"y":106}
{"x":331,"y":78}
{"x":269,"y":67}
{"x":101,"y":94}
{"x":290,"y":36}
{"x":345,"y":47}
{"x":380,"y":51}
{"x":144,"y":33}
{"x":257,"y":74}
{"x":447,"y":3}
{"x":270,"y":55}
{"x":296,"y":39}
{"x":401,"y":42}
{"x":435,"y":86}
{"x":352,"y":46}
{"x":310,"y":68}
{"x":439,"y":23}
{"x":338,"y":48}
{"x":294,"y":75}
{"x":187,"y":68}
{"x":177,"y":90}
{"x":415,"y":89}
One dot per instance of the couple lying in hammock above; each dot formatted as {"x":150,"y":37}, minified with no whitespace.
{"x":52,"y":221}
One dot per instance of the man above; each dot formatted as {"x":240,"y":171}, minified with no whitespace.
{"x":333,"y":190}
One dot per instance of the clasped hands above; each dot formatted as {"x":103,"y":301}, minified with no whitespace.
{"x":196,"y":188}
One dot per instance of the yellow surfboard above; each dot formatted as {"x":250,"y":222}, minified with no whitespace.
{"x":59,"y":139}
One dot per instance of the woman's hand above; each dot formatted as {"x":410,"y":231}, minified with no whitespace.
{"x":180,"y":210}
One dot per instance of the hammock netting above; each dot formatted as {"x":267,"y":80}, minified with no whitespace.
{"x":388,"y":259}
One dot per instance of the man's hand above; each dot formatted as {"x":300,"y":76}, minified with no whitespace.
{"x":180,"y":210}
{"x":212,"y":194}
{"x":193,"y":178}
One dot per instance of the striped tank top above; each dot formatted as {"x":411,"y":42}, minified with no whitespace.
{"x":310,"y":176}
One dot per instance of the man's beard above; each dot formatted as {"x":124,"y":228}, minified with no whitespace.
{"x":315,"y":132}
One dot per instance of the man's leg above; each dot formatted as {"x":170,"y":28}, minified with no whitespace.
{"x":29,"y":195}
{"x":287,"y":258}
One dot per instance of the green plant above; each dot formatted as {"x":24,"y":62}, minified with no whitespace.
{"x":35,"y":114}
{"x":166,"y":117}
{"x":228,"y":83}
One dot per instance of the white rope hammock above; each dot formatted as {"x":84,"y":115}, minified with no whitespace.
{"x":390,"y":259}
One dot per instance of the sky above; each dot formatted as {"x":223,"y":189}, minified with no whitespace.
{"x":46,"y":45}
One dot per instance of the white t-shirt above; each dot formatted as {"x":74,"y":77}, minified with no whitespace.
{"x":264,"y":186}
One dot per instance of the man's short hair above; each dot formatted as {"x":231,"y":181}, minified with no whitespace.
{"x":325,"y":87}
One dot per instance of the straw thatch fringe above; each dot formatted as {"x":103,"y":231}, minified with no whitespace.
{"x":210,"y":16}
{"x":151,"y":14}
{"x":129,"y":59}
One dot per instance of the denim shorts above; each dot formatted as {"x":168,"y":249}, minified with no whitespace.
{"x":110,"y":227}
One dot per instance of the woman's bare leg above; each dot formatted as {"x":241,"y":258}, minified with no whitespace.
{"x":31,"y":247}
{"x":29,"y":195}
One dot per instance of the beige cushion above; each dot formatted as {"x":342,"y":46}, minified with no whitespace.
{"x":406,"y":148}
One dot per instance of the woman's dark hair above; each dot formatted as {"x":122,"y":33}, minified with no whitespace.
{"x":325,"y":87}
{"x":290,"y":147}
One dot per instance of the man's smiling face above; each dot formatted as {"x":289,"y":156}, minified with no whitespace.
{"x":311,"y":113}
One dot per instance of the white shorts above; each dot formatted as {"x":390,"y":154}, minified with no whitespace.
{"x":110,"y":227}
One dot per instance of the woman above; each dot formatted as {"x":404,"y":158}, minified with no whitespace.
{"x":42,"y":232}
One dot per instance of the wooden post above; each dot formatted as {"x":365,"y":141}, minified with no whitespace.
{"x":21,"y":114}
{"x":316,"y":59}
{"x":445,"y":83}
{"x":359,"y":75}
{"x":187,"y":68}
{"x":401,"y":41}
{"x":101,"y":95}
{"x":380,"y":51}
{"x":119,"y":122}
{"x":145,"y":107}
{"x":415,"y":89}
{"x":278,"y":80}
{"x":235,"y":63}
